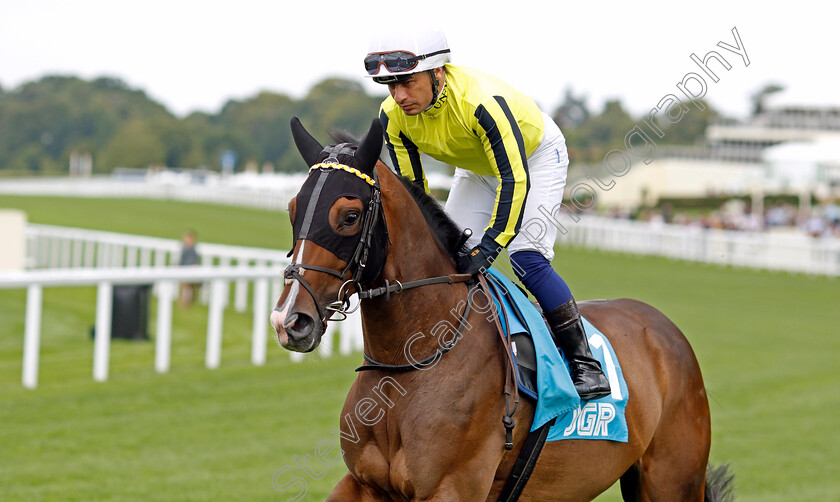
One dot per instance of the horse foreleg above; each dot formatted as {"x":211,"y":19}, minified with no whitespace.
{"x":350,"y":490}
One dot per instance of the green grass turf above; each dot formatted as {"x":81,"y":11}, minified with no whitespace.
{"x":765,"y":341}
{"x":160,"y":218}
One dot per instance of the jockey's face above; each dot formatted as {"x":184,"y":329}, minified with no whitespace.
{"x":415,"y":93}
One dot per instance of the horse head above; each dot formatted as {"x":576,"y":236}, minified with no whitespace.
{"x":340,"y":238}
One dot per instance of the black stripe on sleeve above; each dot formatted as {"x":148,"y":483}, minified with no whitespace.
{"x":383,"y":119}
{"x":520,"y":142}
{"x":414,"y":158}
{"x":494,"y":136}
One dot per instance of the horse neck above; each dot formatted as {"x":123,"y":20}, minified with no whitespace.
{"x":414,"y":254}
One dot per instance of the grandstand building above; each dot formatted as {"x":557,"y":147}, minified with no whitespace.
{"x":791,"y":147}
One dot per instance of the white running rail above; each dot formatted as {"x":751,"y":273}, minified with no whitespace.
{"x":792,"y":252}
{"x":51,"y":246}
{"x":61,"y":256}
{"x":165,"y":280}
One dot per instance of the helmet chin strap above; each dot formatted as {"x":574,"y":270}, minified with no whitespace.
{"x":435,"y":89}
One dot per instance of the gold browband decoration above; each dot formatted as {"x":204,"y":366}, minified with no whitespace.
{"x":351,"y":170}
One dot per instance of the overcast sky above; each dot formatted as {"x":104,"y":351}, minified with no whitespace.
{"x":195,"y":55}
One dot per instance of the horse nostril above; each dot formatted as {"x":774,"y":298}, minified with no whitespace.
{"x":299,"y":325}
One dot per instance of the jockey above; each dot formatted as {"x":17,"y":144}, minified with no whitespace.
{"x":511,"y":162}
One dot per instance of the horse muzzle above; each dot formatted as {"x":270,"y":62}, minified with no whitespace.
{"x":297,"y":331}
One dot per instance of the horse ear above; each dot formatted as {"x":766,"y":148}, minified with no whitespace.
{"x":308,"y":146}
{"x":368,"y":152}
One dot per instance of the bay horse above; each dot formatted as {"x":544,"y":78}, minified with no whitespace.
{"x":434,"y":434}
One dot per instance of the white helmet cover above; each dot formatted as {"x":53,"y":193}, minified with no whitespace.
{"x":425,"y":50}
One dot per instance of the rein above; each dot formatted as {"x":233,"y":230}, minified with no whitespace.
{"x":399,"y":287}
{"x":511,"y":383}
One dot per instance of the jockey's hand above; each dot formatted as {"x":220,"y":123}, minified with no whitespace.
{"x":478,"y":259}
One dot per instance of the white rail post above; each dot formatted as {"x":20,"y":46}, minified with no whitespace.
{"x":160,"y":258}
{"x":41,"y":244}
{"x":118,"y":256}
{"x":102,"y":331}
{"x":163,"y":335}
{"x":32,"y":336}
{"x":240,"y":302}
{"x":31,"y":250}
{"x":66,"y":250}
{"x":225,"y":261}
{"x":145,"y":257}
{"x":131,"y":257}
{"x":204,"y":289}
{"x":78,"y":245}
{"x":326,"y":346}
{"x":214,"y":324}
{"x":90,"y":254}
{"x":352,"y":337}
{"x":102,"y":254}
{"x":276,"y":288}
{"x":261,"y":315}
{"x":55,"y":252}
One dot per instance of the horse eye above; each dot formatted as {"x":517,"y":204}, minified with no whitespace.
{"x":351,"y":218}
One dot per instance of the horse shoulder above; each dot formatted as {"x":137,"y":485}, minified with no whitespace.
{"x":361,"y":424}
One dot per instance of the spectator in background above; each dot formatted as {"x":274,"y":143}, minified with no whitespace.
{"x":189,"y":257}
{"x":832,"y":213}
{"x":815,"y":225}
{"x":781,"y":215}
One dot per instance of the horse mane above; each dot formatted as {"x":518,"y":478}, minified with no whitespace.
{"x":439,"y":222}
{"x":447,"y":231}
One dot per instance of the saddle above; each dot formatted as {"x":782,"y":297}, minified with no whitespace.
{"x":525,"y":357}
{"x":543,"y":376}
{"x":522,"y":346}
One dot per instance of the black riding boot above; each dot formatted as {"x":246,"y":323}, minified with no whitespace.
{"x":568,"y":334}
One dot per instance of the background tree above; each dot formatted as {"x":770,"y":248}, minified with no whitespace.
{"x":264,"y":119}
{"x":691,"y":129}
{"x":136,"y":144}
{"x":42,"y":123}
{"x":589,"y":141}
{"x":572,"y":112}
{"x":64,"y":113}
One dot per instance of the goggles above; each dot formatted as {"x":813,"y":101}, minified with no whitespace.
{"x":396,"y":61}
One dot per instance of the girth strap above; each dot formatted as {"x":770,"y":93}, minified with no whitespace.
{"x":530,"y":452}
{"x":524,"y":465}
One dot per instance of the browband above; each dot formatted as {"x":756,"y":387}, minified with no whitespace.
{"x":352,"y":170}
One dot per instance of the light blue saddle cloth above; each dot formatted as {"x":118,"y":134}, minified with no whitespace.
{"x":575,"y":419}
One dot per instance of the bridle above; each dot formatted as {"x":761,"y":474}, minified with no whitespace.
{"x":358,"y":263}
